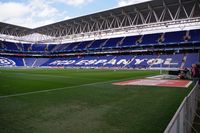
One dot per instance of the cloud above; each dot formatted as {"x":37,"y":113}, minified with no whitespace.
{"x":74,"y":2}
{"x":31,"y":14}
{"x":129,"y":2}
{"x":8,"y":10}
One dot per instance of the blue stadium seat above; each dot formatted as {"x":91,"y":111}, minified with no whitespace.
{"x":130,"y":41}
{"x":40,"y":61}
{"x":29,"y":61}
{"x":174,"y":37}
{"x":51,"y":47}
{"x":96,"y":44}
{"x":2,"y":47}
{"x":82,"y":46}
{"x":11,"y":46}
{"x":195,"y":35}
{"x":112,"y":43}
{"x":70,"y":47}
{"x":58,"y":47}
{"x":20,"y":47}
{"x":27,"y":47}
{"x":38,"y":47}
{"x":192,"y":58}
{"x":150,"y":39}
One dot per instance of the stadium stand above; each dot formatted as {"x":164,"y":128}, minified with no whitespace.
{"x":166,"y":49}
{"x":38,"y":47}
{"x":168,"y":38}
{"x":27,"y":47}
{"x":10,"y":46}
{"x":166,"y":41}
{"x":107,"y":61}
{"x":50,"y":47}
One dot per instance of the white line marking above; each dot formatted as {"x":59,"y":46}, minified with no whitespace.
{"x":57,"y":89}
{"x":42,"y":75}
{"x":188,"y":84}
{"x":49,"y":90}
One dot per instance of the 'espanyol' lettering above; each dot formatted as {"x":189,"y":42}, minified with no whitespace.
{"x":139,"y":61}
{"x":86,"y":62}
{"x":123,"y":61}
{"x":112,"y":62}
{"x":155,"y":61}
{"x":64,"y":62}
{"x":168,"y":61}
{"x":103,"y":62}
{"x":100,"y":62}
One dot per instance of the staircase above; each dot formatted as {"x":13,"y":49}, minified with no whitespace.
{"x":161,"y":39}
{"x":18,"y":47}
{"x":184,"y":60}
{"x":34,"y":62}
{"x":104,"y":43}
{"x":74,"y":49}
{"x":120,"y":42}
{"x":139,"y":40}
{"x":187,"y":36}
{"x":24,"y":62}
{"x":56,"y":47}
{"x":89,"y":45}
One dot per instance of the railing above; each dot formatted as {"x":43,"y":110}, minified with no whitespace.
{"x":184,"y":116}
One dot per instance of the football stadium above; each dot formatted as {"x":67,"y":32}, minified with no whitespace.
{"x":130,"y":69}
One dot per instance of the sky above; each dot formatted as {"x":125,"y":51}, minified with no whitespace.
{"x":36,"y":13}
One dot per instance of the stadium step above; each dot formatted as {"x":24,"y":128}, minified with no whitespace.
{"x":24,"y":62}
{"x":120,"y":42}
{"x":184,"y":60}
{"x":89,"y":45}
{"x":104,"y":43}
{"x":34,"y":63}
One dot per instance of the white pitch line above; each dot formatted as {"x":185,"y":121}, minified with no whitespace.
{"x":35,"y":92}
{"x":49,"y":90}
{"x":42,"y":75}
{"x":188,"y":84}
{"x":57,"y":89}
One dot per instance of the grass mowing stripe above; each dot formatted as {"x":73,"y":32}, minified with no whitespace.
{"x":42,"y":75}
{"x":98,"y":108}
{"x":57,"y":89}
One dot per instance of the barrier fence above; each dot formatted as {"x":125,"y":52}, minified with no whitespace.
{"x":184,"y":116}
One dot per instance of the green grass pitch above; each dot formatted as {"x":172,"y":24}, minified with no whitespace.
{"x":83,"y":101}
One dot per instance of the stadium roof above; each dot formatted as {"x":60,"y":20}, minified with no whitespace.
{"x":134,"y":16}
{"x":14,"y":30}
